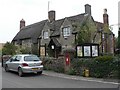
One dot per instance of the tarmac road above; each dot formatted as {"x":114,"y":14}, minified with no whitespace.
{"x":52,"y":80}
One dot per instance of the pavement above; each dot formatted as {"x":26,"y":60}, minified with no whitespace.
{"x":61,"y":75}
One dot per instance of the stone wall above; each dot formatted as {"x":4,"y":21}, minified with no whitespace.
{"x":54,"y":64}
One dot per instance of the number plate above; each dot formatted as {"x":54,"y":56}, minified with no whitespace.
{"x":34,"y":68}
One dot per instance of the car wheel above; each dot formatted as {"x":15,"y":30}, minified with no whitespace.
{"x":39,"y":72}
{"x":6,"y":68}
{"x":20,"y":72}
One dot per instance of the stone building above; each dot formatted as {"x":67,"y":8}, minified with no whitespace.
{"x":51,"y":36}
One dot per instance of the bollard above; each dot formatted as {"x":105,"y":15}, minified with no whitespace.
{"x":86,"y":73}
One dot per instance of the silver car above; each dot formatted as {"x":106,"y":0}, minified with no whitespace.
{"x":24,"y":63}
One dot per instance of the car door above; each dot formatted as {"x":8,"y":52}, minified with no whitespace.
{"x":10,"y":63}
{"x":16,"y":63}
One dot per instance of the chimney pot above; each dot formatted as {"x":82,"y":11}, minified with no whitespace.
{"x":105,"y":17}
{"x":51,"y":16}
{"x":22,"y":23}
{"x":88,"y":9}
{"x":105,"y":11}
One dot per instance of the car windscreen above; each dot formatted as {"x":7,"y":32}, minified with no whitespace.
{"x":31,"y":58}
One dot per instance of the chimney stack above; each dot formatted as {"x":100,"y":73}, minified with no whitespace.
{"x":88,"y":9}
{"x":51,"y":16}
{"x":105,"y":17}
{"x":22,"y":24}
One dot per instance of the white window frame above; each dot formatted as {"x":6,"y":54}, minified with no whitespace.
{"x":66,"y":32}
{"x":45,"y":35}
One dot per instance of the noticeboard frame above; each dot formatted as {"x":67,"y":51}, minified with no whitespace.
{"x":87,"y":50}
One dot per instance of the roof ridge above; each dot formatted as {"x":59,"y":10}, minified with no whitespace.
{"x":28,"y":26}
{"x":70,"y":16}
{"x":75,"y":15}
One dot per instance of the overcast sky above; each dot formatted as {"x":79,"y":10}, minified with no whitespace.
{"x":32,"y":11}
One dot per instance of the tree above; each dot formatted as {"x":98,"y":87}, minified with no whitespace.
{"x":84,"y":35}
{"x":25,"y":50}
{"x":118,"y":41}
{"x":9,"y":49}
{"x":86,"y":31}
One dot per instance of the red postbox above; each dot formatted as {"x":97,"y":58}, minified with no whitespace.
{"x":67,"y":59}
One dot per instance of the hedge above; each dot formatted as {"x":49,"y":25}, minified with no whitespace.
{"x":102,"y":66}
{"x":99,"y":67}
{"x":53,"y":64}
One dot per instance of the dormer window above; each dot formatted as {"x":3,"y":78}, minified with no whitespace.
{"x":66,"y":32}
{"x":45,"y":35}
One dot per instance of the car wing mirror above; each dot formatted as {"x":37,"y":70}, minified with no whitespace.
{"x":16,"y":59}
{"x":11,"y":60}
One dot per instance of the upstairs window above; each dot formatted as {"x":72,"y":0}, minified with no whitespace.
{"x":45,"y":35}
{"x":66,"y":32}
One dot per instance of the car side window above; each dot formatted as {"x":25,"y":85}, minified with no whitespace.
{"x":18,"y":58}
{"x":12,"y":59}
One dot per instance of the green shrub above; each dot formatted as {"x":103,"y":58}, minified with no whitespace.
{"x":71,"y":71}
{"x":47,"y":62}
{"x":104,"y":58}
{"x":76,"y":65}
{"x":115,"y":73}
{"x":79,"y":65}
{"x":53,"y":64}
{"x":101,"y":66}
{"x":58,"y":69}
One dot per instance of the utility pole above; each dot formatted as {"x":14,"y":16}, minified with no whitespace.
{"x":48,"y":5}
